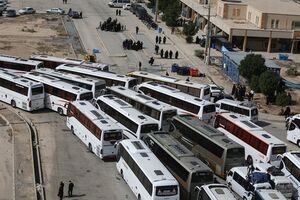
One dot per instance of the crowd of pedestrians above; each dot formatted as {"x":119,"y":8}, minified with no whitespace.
{"x":111,"y":25}
{"x":131,"y":45}
{"x":60,"y":193}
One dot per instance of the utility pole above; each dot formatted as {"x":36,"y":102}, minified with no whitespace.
{"x":208,"y":39}
{"x":156,"y":10}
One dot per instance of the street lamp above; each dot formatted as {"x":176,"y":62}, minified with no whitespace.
{"x":156,"y":10}
{"x":207,"y":42}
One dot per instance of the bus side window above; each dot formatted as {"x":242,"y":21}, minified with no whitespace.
{"x":230,"y":173}
{"x":292,"y":126}
{"x":203,"y":195}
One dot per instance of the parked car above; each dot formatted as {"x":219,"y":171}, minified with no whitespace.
{"x":11,"y":13}
{"x":75,"y":15}
{"x":26,"y":10}
{"x":127,"y":6}
{"x":55,"y":11}
{"x":215,"y":90}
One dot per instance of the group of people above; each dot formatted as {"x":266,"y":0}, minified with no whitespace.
{"x":61,"y":190}
{"x":159,"y":39}
{"x":239,"y":92}
{"x":167,"y":54}
{"x":118,"y":12}
{"x":129,"y":44}
{"x":65,"y":1}
{"x":111,"y":25}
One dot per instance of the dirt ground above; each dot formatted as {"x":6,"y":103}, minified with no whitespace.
{"x":34,"y":34}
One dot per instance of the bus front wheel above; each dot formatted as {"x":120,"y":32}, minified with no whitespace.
{"x":60,"y":111}
{"x":13,"y":103}
{"x":298,"y":143}
{"x":72,"y":130}
{"x":90,"y":148}
{"x":139,"y":197}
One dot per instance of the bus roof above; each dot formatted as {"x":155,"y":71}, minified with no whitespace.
{"x":8,"y":75}
{"x":295,"y":155}
{"x":246,"y":124}
{"x":168,"y":79}
{"x":269,"y":194}
{"x":93,"y":72}
{"x":180,"y":152}
{"x":151,"y":102}
{"x":127,"y":109}
{"x":219,"y":191}
{"x":175,"y":93}
{"x":69,"y":76}
{"x":152,"y":167}
{"x":74,"y":61}
{"x":50,"y":80}
{"x":19,"y":60}
{"x":209,"y":131}
{"x":97,"y":116}
{"x":245,"y":104}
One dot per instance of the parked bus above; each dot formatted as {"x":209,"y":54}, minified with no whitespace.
{"x":52,"y":62}
{"x":201,"y":91}
{"x":93,"y":128}
{"x":214,"y":192}
{"x":293,"y":129}
{"x":17,"y":63}
{"x":203,"y":109}
{"x":145,"y":175}
{"x":58,"y":94}
{"x":21,"y":92}
{"x":110,"y":78}
{"x":210,"y":145}
{"x":181,"y":162}
{"x":246,"y":108}
{"x":136,"y":124}
{"x":149,"y":106}
{"x":97,"y":86}
{"x":290,"y":165}
{"x":118,"y":3}
{"x":260,"y":146}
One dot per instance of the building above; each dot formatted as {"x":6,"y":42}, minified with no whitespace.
{"x":268,"y":25}
{"x":231,"y":62}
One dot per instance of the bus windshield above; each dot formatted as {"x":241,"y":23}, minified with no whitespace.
{"x":169,"y":114}
{"x":278,"y":150}
{"x":166,"y":190}
{"x":86,"y":96}
{"x":147,"y":128}
{"x":112,"y":136}
{"x":202,"y":177}
{"x":254,"y":112}
{"x":37,"y":90}
{"x":209,"y":108}
{"x":236,"y":152}
{"x":99,"y":87}
{"x":132,"y":83}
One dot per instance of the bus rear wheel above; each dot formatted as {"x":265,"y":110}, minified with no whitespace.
{"x":139,"y":197}
{"x":90,"y":148}
{"x":13,"y":103}
{"x":298,"y":143}
{"x":72,"y":130}
{"x":60,"y":111}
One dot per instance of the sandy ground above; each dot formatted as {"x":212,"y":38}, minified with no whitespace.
{"x":38,"y":33}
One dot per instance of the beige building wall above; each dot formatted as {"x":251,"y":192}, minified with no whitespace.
{"x":284,"y":21}
{"x":231,"y":11}
{"x":254,"y":16}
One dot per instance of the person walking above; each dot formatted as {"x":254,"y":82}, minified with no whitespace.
{"x":164,"y":40}
{"x":170,"y":54}
{"x":70,"y":189}
{"x":151,"y":61}
{"x":60,"y":193}
{"x":140,"y":66}
{"x":176,"y":55}
{"x":166,"y":54}
{"x":167,"y":74}
{"x":187,"y":79}
{"x":156,"y":49}
{"x":159,"y":40}
{"x":156,"y":39}
{"x":161,"y":53}
{"x":137,"y":30}
{"x":117,"y":11}
{"x":80,"y":14}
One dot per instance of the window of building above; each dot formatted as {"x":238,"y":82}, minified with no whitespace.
{"x":272,"y":23}
{"x":256,"y":20}
{"x":296,"y":25}
{"x":249,"y":16}
{"x":277,"y":23}
{"x":236,"y":12}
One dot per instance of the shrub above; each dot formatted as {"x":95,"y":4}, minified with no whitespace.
{"x":252,"y":64}
{"x":268,"y":82}
{"x":189,"y":39}
{"x":282,"y":99}
{"x":292,"y":71}
{"x":254,"y":84}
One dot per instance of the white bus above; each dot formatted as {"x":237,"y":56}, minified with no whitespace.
{"x":21,"y":92}
{"x":203,"y":109}
{"x":97,"y":86}
{"x":290,"y":165}
{"x":53,"y":62}
{"x":93,"y":128}
{"x":207,"y":143}
{"x":109,"y":77}
{"x":149,"y":106}
{"x":293,"y":129}
{"x":260,"y":146}
{"x":136,"y":124}
{"x":181,"y":162}
{"x":199,"y":90}
{"x":214,"y":192}
{"x":246,"y":108}
{"x":17,"y":63}
{"x":118,"y":3}
{"x":146,"y":176}
{"x":58,"y":93}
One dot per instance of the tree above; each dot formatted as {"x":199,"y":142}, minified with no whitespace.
{"x":282,"y":99}
{"x":252,"y":64}
{"x":190,"y":29}
{"x":268,"y":82}
{"x":172,"y":13}
{"x":254,"y":83}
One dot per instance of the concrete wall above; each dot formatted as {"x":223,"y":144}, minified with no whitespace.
{"x":255,"y":16}
{"x":231,"y":11}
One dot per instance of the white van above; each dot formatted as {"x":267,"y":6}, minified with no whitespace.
{"x":238,"y":180}
{"x":246,"y":108}
{"x":118,"y":3}
{"x":214,"y":192}
{"x":282,"y":183}
{"x":293,"y":129}
{"x":266,"y":194}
